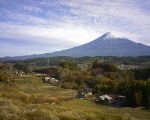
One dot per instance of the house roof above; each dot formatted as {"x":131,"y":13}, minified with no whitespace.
{"x":103,"y":97}
{"x":121,"y":96}
{"x":89,"y":90}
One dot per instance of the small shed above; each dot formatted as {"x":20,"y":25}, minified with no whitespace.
{"x":84,"y":93}
{"x":88,"y":91}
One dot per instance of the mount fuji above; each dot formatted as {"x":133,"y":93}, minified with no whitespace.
{"x":109,"y":44}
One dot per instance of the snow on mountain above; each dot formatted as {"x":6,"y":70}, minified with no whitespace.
{"x":111,"y":35}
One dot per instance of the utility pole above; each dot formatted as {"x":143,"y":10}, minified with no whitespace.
{"x":121,"y":53}
{"x":48,"y":61}
{"x":57,"y":60}
{"x":102,"y":58}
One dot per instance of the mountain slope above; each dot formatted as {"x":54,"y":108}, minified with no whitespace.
{"x":109,"y":44}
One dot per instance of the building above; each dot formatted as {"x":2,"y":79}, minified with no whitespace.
{"x":120,"y":100}
{"x":84,"y":93}
{"x":116,"y":100}
{"x":50,"y":80}
{"x":105,"y":99}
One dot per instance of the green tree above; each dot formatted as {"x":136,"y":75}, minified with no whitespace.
{"x":21,"y":67}
{"x":108,"y":67}
{"x":138,"y":97}
{"x":148,"y":92}
{"x":96,"y":64}
{"x":143,"y":73}
{"x":69,"y":65}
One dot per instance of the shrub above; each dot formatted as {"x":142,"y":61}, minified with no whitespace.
{"x":3,"y":77}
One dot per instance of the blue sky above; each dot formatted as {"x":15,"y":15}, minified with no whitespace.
{"x":44,"y":26}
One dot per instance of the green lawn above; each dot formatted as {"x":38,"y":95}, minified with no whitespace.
{"x":28,"y":98}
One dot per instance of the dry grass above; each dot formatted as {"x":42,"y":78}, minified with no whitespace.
{"x":38,"y":101}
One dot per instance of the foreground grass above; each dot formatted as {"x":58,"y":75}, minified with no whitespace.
{"x":30,"y":99}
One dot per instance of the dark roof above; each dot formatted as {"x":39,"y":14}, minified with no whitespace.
{"x":89,"y":90}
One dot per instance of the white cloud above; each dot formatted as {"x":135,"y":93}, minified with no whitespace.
{"x":31,"y":9}
{"x":24,"y":18}
{"x":66,"y":23}
{"x":67,"y":36}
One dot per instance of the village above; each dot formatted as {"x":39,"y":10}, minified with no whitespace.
{"x":87,"y":94}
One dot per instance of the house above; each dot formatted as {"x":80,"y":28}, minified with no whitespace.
{"x":19,"y":73}
{"x":81,"y":94}
{"x":120,"y":100}
{"x":84,"y":93}
{"x":116,"y":100}
{"x":105,"y":99}
{"x":46,"y":79}
{"x":88,"y":91}
{"x":50,"y":80}
{"x":53,"y":80}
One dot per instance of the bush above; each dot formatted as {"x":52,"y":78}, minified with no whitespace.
{"x":3,"y":77}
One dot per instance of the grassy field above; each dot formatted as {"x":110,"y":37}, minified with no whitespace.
{"x":28,"y":98}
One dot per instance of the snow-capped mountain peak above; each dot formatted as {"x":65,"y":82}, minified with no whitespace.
{"x":111,"y":35}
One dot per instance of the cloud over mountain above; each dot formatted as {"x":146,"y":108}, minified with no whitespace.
{"x":69,"y":21}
